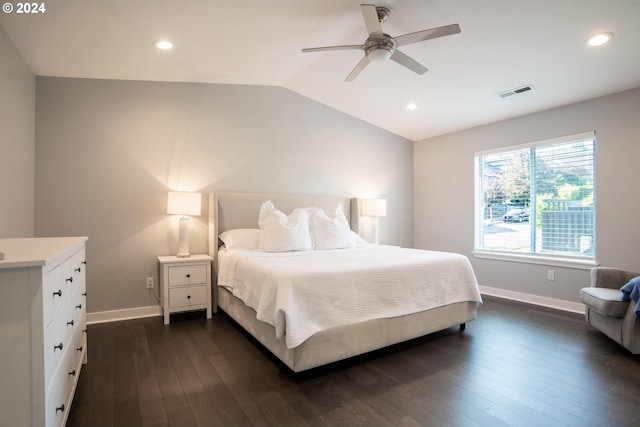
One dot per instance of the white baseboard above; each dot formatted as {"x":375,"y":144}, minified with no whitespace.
{"x":125,"y":314}
{"x":574,"y":307}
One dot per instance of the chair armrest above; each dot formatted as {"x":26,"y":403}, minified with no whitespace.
{"x":613,"y":278}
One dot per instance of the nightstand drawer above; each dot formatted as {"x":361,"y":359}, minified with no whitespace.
{"x":187,"y":297}
{"x":187,"y":275}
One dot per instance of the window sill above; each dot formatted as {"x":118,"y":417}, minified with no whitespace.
{"x":584,"y":264}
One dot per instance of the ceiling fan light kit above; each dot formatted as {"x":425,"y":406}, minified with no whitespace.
{"x":379,"y":47}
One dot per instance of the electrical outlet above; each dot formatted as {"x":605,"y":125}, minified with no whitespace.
{"x":149,"y":282}
{"x":551,"y":275}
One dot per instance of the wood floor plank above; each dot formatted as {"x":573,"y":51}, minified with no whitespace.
{"x":226,"y":406}
{"x":126,"y":403}
{"x":152,"y":411}
{"x":175,"y":402}
{"x":516,"y":365}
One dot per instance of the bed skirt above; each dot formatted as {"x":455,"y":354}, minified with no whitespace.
{"x":346,"y":341}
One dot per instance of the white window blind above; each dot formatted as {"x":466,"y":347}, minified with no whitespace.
{"x":538,"y":198}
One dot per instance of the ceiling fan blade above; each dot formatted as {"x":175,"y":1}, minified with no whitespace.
{"x":371,"y":20}
{"x":423,"y":35}
{"x":411,"y":64}
{"x":359,"y":67}
{"x":325,"y":48}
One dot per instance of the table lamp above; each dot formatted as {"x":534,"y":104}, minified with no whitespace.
{"x":375,"y":208}
{"x":185,"y":204}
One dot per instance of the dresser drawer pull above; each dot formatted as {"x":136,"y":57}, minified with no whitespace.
{"x":60,"y":408}
{"x":79,"y":269}
{"x":73,"y":373}
{"x":70,"y":279}
{"x":57,"y":347}
{"x":79,"y":306}
{"x":84,"y":263}
{"x":188,"y":275}
{"x":70,"y":323}
{"x":79,"y":348}
{"x":59,"y":293}
{"x":188,"y":296}
{"x":84,"y":294}
{"x":84,"y":330}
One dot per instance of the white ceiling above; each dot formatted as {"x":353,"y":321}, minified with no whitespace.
{"x":504,"y":44}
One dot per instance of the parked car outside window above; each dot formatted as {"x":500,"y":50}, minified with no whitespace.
{"x":516,"y":215}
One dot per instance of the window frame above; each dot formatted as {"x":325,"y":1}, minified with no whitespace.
{"x":554,"y":259}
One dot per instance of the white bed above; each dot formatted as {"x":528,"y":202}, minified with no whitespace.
{"x":330,"y":336}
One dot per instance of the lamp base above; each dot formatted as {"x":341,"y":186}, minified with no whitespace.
{"x":183,"y":245}
{"x":374,"y":230}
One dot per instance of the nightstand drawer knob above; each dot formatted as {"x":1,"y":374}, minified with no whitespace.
{"x":188,"y":275}
{"x":59,"y":293}
{"x":60,"y":408}
{"x":73,"y":373}
{"x":70,"y":279}
{"x":70,"y":323}
{"x":188,"y":296}
{"x":79,"y":306}
{"x":57,"y":347}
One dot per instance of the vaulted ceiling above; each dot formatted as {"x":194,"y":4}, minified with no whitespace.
{"x":503,"y":45}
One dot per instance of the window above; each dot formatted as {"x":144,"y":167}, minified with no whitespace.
{"x":537,"y":199}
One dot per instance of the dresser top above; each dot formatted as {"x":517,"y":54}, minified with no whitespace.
{"x":39,"y":251}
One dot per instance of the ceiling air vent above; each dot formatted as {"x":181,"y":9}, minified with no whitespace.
{"x":515,"y":91}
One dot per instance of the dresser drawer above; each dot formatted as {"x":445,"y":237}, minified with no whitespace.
{"x":58,"y":394}
{"x":78,"y":304}
{"x":57,"y":338}
{"x":187,"y":275}
{"x":79,"y":348}
{"x":187,"y":297}
{"x":55,"y":290}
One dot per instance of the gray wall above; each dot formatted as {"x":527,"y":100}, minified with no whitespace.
{"x":17,"y":142}
{"x":444,"y":185}
{"x":107,"y":152}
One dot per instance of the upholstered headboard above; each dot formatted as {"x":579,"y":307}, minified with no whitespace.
{"x":228,"y":211}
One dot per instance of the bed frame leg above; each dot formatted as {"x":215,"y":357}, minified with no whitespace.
{"x":463,"y":326}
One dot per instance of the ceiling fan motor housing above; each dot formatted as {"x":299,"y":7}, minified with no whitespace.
{"x":379,"y":50}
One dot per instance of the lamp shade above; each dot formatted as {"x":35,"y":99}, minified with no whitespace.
{"x":375,"y":207}
{"x":184,"y":203}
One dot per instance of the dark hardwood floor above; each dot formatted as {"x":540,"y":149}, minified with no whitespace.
{"x":517,"y":365}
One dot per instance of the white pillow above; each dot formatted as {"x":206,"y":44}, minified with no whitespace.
{"x":358,"y":239}
{"x":330,"y":231}
{"x":241,"y":238}
{"x":282,"y":233}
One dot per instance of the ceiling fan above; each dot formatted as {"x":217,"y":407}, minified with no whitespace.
{"x":379,"y":47}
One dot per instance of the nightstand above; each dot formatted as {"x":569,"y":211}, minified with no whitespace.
{"x":185,"y":284}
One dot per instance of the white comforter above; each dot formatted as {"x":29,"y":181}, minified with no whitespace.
{"x":301,"y":293}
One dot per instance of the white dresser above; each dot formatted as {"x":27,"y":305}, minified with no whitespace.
{"x":42,"y":328}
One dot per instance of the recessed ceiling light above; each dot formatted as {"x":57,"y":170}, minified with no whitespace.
{"x":599,"y":39}
{"x":411,"y":106}
{"x":163,"y":44}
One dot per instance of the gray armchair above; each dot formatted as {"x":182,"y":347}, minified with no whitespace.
{"x":605,"y":311}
